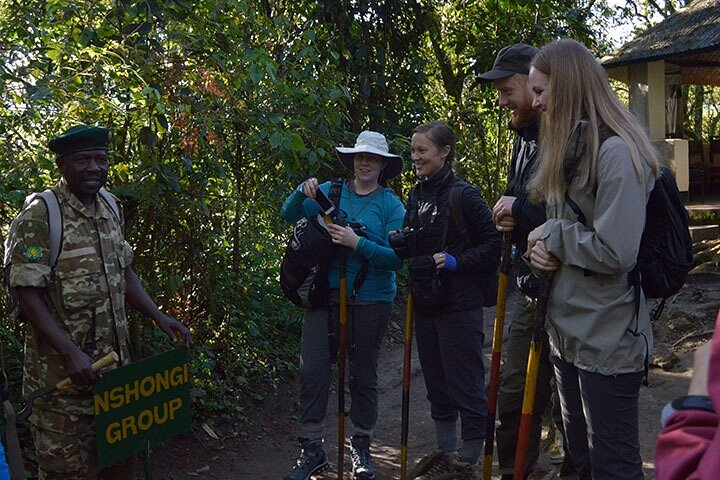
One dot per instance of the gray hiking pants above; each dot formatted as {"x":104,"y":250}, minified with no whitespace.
{"x":600,"y":414}
{"x":512,"y":390}
{"x":366,"y":326}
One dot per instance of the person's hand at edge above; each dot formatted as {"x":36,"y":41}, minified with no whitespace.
{"x":310,"y":187}
{"x":701,"y":364}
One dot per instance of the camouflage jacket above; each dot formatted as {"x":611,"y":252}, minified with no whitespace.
{"x":87,"y":283}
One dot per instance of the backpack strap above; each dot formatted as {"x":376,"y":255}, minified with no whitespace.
{"x":412,"y":207}
{"x":336,"y":193}
{"x":575,"y":208}
{"x":110,"y":202}
{"x":360,"y":278}
{"x":458,"y":214}
{"x":334,"y":196}
{"x":54,"y":220}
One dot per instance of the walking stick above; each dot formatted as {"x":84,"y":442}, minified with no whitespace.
{"x":496,"y":354}
{"x":406,"y":386}
{"x":531,"y":377}
{"x":341,"y":365}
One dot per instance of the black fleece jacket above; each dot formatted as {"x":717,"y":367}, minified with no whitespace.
{"x":429,"y":212}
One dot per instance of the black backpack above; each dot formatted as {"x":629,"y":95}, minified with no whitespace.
{"x":665,"y":256}
{"x":488,"y":280}
{"x":308,"y":254}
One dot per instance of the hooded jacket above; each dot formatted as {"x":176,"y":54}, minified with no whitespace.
{"x":428,"y":213}
{"x":527,"y":214}
{"x":591,"y":318}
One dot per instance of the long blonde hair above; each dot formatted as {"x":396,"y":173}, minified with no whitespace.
{"x":578,"y":89}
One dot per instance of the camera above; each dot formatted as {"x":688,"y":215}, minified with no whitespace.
{"x":403,"y":242}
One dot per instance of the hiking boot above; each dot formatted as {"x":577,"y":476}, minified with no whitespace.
{"x":361,"y":461}
{"x":435,"y":466}
{"x":466,"y":471}
{"x":312,"y":460}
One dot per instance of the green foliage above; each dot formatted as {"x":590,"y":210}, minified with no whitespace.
{"x":702,"y":120}
{"x":219,"y":108}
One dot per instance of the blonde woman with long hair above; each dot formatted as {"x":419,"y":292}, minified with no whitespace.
{"x":596,"y":170}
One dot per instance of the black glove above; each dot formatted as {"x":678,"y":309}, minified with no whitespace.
{"x":527,"y":281}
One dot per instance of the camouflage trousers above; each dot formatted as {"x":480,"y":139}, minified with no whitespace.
{"x":65,"y":445}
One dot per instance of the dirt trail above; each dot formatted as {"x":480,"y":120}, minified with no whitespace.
{"x":270,"y":450}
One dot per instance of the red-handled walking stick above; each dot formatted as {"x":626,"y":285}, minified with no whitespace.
{"x":496,"y":354}
{"x":531,"y":377}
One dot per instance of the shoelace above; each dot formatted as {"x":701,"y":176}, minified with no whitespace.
{"x":361,"y":459}
{"x":304,"y":459}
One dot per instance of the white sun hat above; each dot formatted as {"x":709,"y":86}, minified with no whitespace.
{"x":375,"y":143}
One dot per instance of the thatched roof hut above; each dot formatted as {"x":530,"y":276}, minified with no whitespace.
{"x":688,"y":41}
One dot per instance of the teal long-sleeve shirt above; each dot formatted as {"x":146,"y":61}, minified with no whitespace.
{"x":379,"y":212}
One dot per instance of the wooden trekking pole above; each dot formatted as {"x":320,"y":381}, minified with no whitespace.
{"x":531,"y":376}
{"x":496,"y":354}
{"x":407,"y":358}
{"x":341,"y":364}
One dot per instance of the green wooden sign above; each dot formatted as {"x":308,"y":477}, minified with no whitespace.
{"x":141,"y":404}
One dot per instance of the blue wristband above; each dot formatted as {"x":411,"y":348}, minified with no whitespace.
{"x":450,"y":262}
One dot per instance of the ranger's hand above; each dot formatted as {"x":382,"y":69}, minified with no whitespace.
{"x":172,"y":328}
{"x":79,"y":367}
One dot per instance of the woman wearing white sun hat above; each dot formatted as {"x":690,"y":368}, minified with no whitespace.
{"x":368,"y":206}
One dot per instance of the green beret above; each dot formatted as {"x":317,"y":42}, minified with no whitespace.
{"x":80,"y":138}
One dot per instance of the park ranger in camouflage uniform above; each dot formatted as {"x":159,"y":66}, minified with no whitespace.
{"x":76,"y":309}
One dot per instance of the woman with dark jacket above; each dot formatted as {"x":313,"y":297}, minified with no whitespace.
{"x":453,"y":249}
